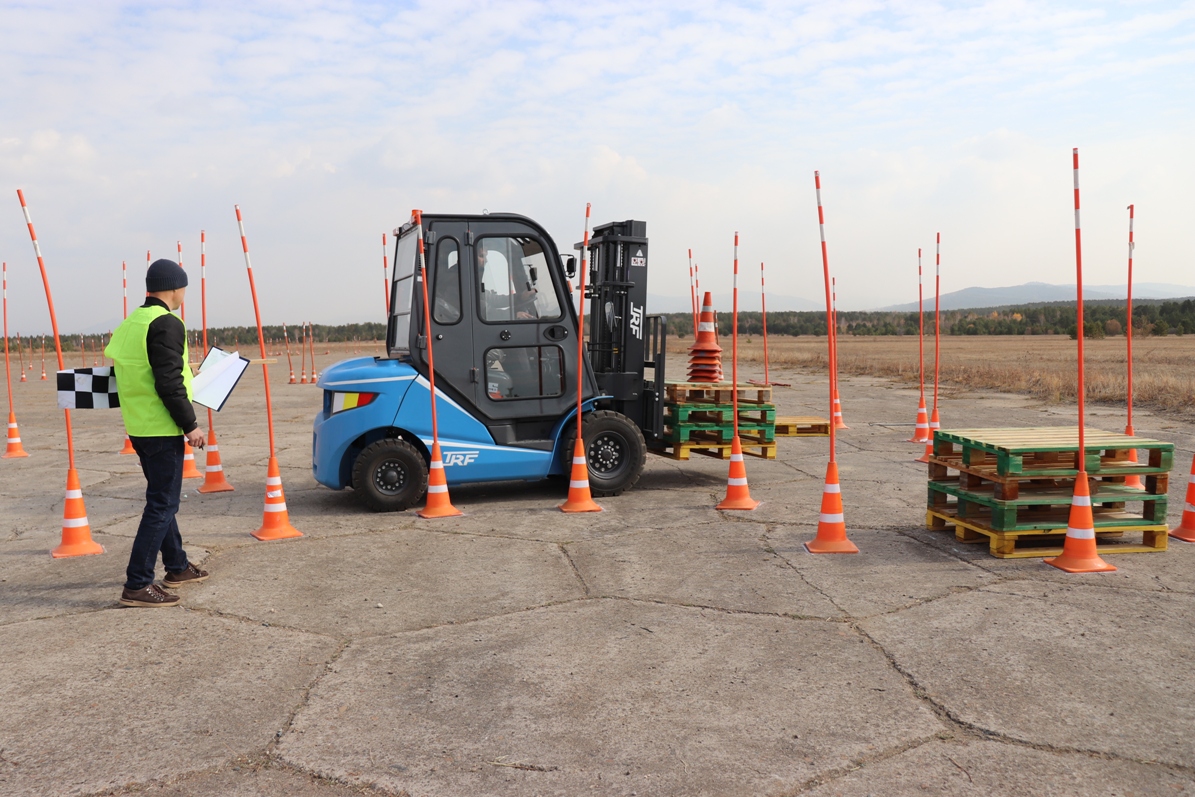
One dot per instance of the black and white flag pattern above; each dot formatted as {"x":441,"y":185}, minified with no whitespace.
{"x":87,"y":389}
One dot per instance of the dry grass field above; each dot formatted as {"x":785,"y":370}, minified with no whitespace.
{"x":1042,"y":366}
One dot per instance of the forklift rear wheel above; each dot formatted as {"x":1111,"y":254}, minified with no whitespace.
{"x":390,"y":475}
{"x":614,"y":450}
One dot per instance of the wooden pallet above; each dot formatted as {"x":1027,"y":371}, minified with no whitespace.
{"x":804,"y":426}
{"x":676,"y":414}
{"x":682,"y":451}
{"x":1042,"y":542}
{"x":717,"y":433}
{"x":715,"y":393}
{"x":1050,"y":452}
{"x":1041,"y":506}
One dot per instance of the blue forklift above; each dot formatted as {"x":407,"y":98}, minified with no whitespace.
{"x":504,"y":330}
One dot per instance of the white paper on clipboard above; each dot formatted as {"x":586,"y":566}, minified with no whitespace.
{"x":218,"y":375}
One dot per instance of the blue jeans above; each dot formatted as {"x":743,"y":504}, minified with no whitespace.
{"x":162,"y":464}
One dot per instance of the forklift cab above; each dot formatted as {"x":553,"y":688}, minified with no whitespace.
{"x":503,"y":322}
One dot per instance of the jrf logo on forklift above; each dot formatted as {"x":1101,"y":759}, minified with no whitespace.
{"x":460,"y":457}
{"x":637,"y":321}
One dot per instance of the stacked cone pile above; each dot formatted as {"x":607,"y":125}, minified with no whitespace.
{"x":1185,"y":530}
{"x":705,"y":356}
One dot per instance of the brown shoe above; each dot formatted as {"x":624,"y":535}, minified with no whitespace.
{"x":192,"y":575}
{"x":151,"y":597}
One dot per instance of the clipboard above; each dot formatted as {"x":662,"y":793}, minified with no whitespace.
{"x":218,"y":374}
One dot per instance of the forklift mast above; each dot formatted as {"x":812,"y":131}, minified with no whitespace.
{"x":626,"y":346}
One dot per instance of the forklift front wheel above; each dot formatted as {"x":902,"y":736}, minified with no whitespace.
{"x":389,"y":475}
{"x":614,"y":450}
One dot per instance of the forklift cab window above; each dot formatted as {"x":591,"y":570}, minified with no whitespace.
{"x":514,"y":281}
{"x":447,"y":281}
{"x":404,"y":281}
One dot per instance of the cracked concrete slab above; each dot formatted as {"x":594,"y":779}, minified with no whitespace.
{"x":981,"y":768}
{"x":421,"y":578}
{"x":100,"y":700}
{"x":726,"y":566}
{"x":1077,"y":667}
{"x":243,"y":780}
{"x":605,"y":696}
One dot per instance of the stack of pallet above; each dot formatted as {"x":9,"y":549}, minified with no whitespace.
{"x":1012,"y":488}
{"x":699,"y":419}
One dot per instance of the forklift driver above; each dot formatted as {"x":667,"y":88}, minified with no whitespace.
{"x":508,"y":291}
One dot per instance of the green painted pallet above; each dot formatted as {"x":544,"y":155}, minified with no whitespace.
{"x":718,"y":413}
{"x":1044,"y":506}
{"x":717,"y":433}
{"x":1049,"y":452}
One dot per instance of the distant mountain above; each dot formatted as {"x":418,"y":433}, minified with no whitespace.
{"x":748,"y":302}
{"x":1031,"y":292}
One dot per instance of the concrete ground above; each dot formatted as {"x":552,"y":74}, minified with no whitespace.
{"x":657,"y":648}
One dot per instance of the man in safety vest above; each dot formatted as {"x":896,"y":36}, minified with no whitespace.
{"x":153,"y":378}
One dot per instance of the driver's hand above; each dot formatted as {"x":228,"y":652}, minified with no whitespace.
{"x":195,"y":438}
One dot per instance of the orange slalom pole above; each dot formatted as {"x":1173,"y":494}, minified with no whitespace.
{"x":289,"y":362}
{"x":1132,"y":480}
{"x":921,"y":427}
{"x":21,"y":358}
{"x":127,"y":448}
{"x":692,"y":293}
{"x":214,"y":480}
{"x":580,"y":497}
{"x":275,"y":520}
{"x":1079,"y":551}
{"x":311,"y":339}
{"x":303,"y":354}
{"x":76,"y":532}
{"x":831,"y":526}
{"x":14,"y":449}
{"x":738,"y":493}
{"x":438,"y":503}
{"x":43,"y":358}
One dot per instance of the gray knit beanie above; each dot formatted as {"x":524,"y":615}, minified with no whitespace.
{"x":164,"y":275}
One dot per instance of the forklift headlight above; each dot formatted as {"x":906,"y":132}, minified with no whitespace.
{"x":348,"y":401}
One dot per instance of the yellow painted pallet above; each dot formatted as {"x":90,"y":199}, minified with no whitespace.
{"x":803,"y":426}
{"x":1017,"y":544}
{"x":682,"y":451}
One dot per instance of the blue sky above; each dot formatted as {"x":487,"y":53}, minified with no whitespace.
{"x":131,"y":126}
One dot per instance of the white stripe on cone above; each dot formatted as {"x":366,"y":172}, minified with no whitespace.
{"x":733,"y":482}
{"x":831,"y":518}
{"x":276,"y":507}
{"x":214,"y":467}
{"x":14,"y":439}
{"x":274,"y":480}
{"x":74,"y":493}
{"x":74,"y":522}
{"x":437,"y":488}
{"x":833,"y":488}
{"x":213,"y":448}
{"x":578,"y":460}
{"x":1080,"y":534}
{"x":736,"y":457}
{"x":1081,"y":500}
{"x":705,"y":326}
{"x":577,"y":485}
{"x":273,"y":493}
{"x":437,"y":464}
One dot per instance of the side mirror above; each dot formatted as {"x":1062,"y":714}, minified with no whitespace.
{"x":570,"y":266}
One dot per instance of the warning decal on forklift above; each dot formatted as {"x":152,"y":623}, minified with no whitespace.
{"x":638,"y":259}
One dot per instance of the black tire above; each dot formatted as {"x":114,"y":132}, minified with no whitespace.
{"x":390,"y":475}
{"x":614,"y":450}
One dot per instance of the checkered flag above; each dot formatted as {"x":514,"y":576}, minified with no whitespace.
{"x":87,"y":389}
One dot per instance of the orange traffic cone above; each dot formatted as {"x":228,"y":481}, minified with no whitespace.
{"x":76,"y":531}
{"x":275,"y":522}
{"x":213,"y":474}
{"x":705,"y":355}
{"x":1079,"y":553}
{"x":580,"y":499}
{"x":1185,"y":530}
{"x":831,"y":526}
{"x":921,"y":433}
{"x":738,"y":495}
{"x":1132,"y":480}
{"x":14,"y":448}
{"x":23,"y":379}
{"x":438,"y":503}
{"x":189,"y":469}
{"x":934,"y":425}
{"x":128,"y":446}
{"x":839,"y":423}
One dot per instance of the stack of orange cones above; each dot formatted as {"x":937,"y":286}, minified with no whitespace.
{"x":128,"y":446}
{"x":839,"y":423}
{"x":189,"y":469}
{"x":1132,"y":480}
{"x":438,"y":503}
{"x":921,"y":433}
{"x":1079,"y":554}
{"x":14,"y":448}
{"x":705,"y":356}
{"x":76,"y":531}
{"x":738,"y":494}
{"x":275,"y":522}
{"x":213,"y":474}
{"x":934,"y":425}
{"x":831,"y":526}
{"x":580,"y":499}
{"x":1185,"y":530}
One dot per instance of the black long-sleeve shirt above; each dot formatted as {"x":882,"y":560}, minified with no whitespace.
{"x":164,"y":343}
